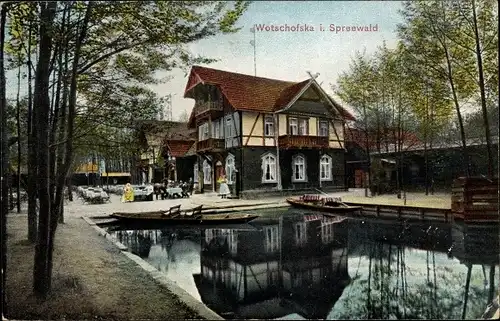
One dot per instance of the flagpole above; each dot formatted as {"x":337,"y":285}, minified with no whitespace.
{"x":254,"y":44}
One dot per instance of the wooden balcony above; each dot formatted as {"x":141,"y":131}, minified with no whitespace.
{"x":211,"y":144}
{"x":295,"y":141}
{"x":207,"y":107}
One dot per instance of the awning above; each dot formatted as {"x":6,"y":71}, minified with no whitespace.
{"x":309,"y":218}
{"x":115,"y":174}
{"x":386,"y":160}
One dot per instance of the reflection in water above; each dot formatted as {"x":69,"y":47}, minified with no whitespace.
{"x":293,"y":265}
{"x":309,"y":267}
{"x":411,"y":278}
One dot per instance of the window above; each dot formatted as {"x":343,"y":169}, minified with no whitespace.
{"x":203,"y":133}
{"x":229,"y":127}
{"x":268,"y":168}
{"x":325,"y":168}
{"x":272,"y":238}
{"x":207,"y":172}
{"x":299,"y":169}
{"x":300,"y":233}
{"x":268,"y":125}
{"x":303,"y":127}
{"x":195,"y":173}
{"x":230,"y":169}
{"x":323,"y":128}
{"x":293,"y":126}
{"x":326,"y":232}
{"x":216,"y":129}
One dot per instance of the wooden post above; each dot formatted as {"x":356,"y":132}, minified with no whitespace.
{"x":466,"y":297}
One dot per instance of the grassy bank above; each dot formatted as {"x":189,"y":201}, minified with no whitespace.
{"x":91,"y":280}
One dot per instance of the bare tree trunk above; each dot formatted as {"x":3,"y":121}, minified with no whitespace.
{"x":483,"y":92}
{"x":4,"y":196}
{"x":459,"y":115}
{"x":41,"y":108}
{"x":426,"y":127}
{"x":18,"y":123}
{"x":368,"y":160}
{"x":32,"y":164}
{"x":57,"y":123}
{"x":68,"y":157}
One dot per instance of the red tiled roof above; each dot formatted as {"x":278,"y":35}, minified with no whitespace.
{"x":250,"y":93}
{"x":358,"y":137}
{"x":178,"y":148}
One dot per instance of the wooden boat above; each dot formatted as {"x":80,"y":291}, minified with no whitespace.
{"x":327,"y":205}
{"x":175,"y":216}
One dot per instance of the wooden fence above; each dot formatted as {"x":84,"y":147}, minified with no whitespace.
{"x":401,"y":212}
{"x":475,"y":200}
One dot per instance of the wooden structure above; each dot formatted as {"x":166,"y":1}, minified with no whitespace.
{"x":175,"y":216}
{"x":316,"y":203}
{"x":293,"y":133}
{"x":475,"y":200}
{"x":401,"y":212}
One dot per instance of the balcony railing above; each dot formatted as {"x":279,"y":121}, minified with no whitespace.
{"x":210,"y":144}
{"x":207,"y":106}
{"x":295,"y":141}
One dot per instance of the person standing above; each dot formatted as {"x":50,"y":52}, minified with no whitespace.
{"x":224,"y":188}
{"x":128,"y":193}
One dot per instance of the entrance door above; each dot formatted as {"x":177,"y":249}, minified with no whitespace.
{"x":219,"y":171}
{"x":358,"y":178}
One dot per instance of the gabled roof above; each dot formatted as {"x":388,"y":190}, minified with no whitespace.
{"x":179,"y":148}
{"x":179,"y":140}
{"x":250,"y":93}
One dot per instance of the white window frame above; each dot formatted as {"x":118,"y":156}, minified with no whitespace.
{"x":300,"y":162}
{"x":216,"y":129}
{"x":302,"y":126}
{"x":293,"y":126}
{"x":325,"y":160}
{"x":204,"y":132}
{"x":270,"y":160}
{"x":229,"y":127}
{"x":272,"y":237}
{"x":326,"y":232}
{"x":207,"y":169}
{"x":268,"y":125}
{"x":300,"y":233}
{"x":321,"y":128}
{"x":230,"y":168}
{"x":195,"y":172}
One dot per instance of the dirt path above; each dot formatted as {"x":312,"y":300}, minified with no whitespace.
{"x":91,"y":280}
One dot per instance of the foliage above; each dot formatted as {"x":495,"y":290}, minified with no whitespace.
{"x":92,"y":64}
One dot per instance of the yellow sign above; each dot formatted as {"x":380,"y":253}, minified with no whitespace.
{"x":88,"y":168}
{"x":115,"y":174}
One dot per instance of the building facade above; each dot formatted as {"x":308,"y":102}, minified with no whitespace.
{"x":265,"y":134}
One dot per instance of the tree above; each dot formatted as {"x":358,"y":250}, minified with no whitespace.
{"x":183,"y":117}
{"x":424,"y":35}
{"x":4,"y":196}
{"x":479,"y":23}
{"x":94,"y":63}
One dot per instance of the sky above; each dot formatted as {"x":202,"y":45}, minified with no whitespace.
{"x":288,"y":55}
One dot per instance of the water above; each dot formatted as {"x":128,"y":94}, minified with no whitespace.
{"x":296,"y":265}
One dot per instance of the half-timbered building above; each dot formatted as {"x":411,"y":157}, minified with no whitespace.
{"x":265,"y":134}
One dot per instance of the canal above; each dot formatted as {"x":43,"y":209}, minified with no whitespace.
{"x":291,"y":264}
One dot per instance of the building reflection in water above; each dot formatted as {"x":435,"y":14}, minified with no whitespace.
{"x":297,"y":264}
